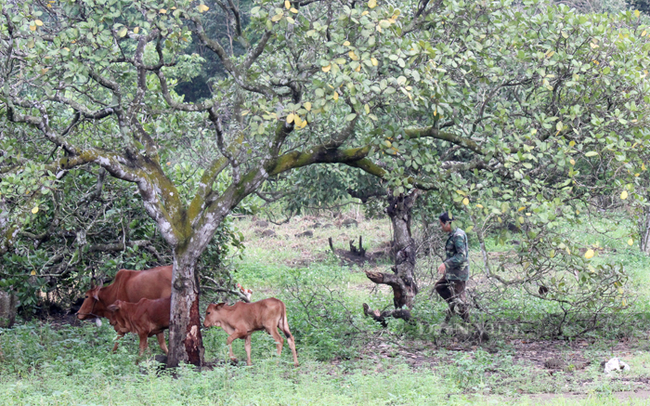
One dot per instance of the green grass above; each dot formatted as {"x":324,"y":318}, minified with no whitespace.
{"x":345,"y":357}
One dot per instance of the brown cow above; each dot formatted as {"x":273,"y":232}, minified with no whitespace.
{"x":242,"y":319}
{"x":145,"y":318}
{"x":128,"y":286}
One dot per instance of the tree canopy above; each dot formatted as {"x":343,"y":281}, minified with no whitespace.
{"x":510,"y":107}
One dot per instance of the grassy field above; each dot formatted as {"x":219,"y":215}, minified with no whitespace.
{"x":345,"y":357}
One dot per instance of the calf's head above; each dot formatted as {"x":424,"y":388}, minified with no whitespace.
{"x":88,"y":307}
{"x":213,"y":315}
{"x":115,"y":306}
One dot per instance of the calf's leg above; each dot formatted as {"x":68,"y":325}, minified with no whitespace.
{"x":162,"y":343}
{"x":247,"y":345}
{"x":283,"y":324}
{"x":143,"y":343}
{"x":119,"y":335}
{"x":273,"y":330}
{"x":232,"y":337}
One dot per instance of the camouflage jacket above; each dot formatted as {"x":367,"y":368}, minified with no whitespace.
{"x":457,"y":262}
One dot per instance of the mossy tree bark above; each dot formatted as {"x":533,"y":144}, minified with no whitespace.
{"x":402,"y":280}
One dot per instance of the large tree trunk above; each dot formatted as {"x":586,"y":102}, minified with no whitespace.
{"x":185,"y":341}
{"x":402,"y":280}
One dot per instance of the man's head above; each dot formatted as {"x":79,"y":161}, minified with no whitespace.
{"x":445,"y":221}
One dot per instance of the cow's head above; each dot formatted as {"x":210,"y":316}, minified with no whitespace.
{"x":213,"y":315}
{"x":86,"y":311}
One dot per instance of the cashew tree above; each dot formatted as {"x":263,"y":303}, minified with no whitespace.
{"x":420,"y":94}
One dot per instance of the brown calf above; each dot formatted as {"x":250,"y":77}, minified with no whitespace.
{"x":128,"y":286}
{"x":242,"y":319}
{"x":146,"y":318}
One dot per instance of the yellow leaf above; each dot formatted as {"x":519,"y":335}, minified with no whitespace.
{"x":521,"y":219}
{"x":136,"y":30}
{"x":624,"y":302}
{"x":335,"y":95}
{"x":353,"y":56}
{"x":643,"y":167}
{"x":32,"y":27}
{"x":637,"y":13}
{"x":573,"y":162}
{"x":44,"y":71}
{"x":203,"y":8}
{"x":287,"y":4}
{"x":374,"y":61}
{"x":630,"y":242}
{"x":122,"y":32}
{"x":522,"y":208}
{"x":365,"y":13}
{"x":290,"y":20}
{"x":366,"y":108}
{"x":572,"y":143}
{"x":290,"y":118}
{"x":293,"y":10}
{"x":387,"y":143}
{"x":624,"y":195}
{"x":480,"y":206}
{"x":38,"y":22}
{"x":644,"y":33}
{"x":589,"y":254}
{"x":163,"y":11}
{"x":346,"y":44}
{"x":327,"y":68}
{"x":358,"y":69}
{"x":372,"y":3}
{"x":297,"y":120}
{"x":32,"y":273}
{"x":307,"y":106}
{"x":465,"y":201}
{"x":35,"y":210}
{"x":277,"y":17}
{"x":169,"y":163}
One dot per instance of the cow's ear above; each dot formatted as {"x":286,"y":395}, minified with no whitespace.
{"x":95,"y":293}
{"x":113,"y":308}
{"x":219,"y":306}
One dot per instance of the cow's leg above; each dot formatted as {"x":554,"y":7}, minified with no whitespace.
{"x":247,"y":345}
{"x":119,"y":335}
{"x":232,"y":337}
{"x":143,"y":343}
{"x":161,"y":342}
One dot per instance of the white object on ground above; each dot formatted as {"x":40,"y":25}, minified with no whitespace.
{"x":615,"y":364}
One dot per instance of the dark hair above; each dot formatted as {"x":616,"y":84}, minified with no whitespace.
{"x":445,"y":217}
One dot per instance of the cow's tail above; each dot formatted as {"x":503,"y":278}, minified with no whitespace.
{"x":284,"y":323}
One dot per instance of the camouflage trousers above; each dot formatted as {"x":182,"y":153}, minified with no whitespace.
{"x":454,"y":294}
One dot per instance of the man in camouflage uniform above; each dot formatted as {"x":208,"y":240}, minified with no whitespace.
{"x":455,"y":270}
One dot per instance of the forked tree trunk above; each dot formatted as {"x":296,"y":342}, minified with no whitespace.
{"x":402,"y":280}
{"x":185,"y":341}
